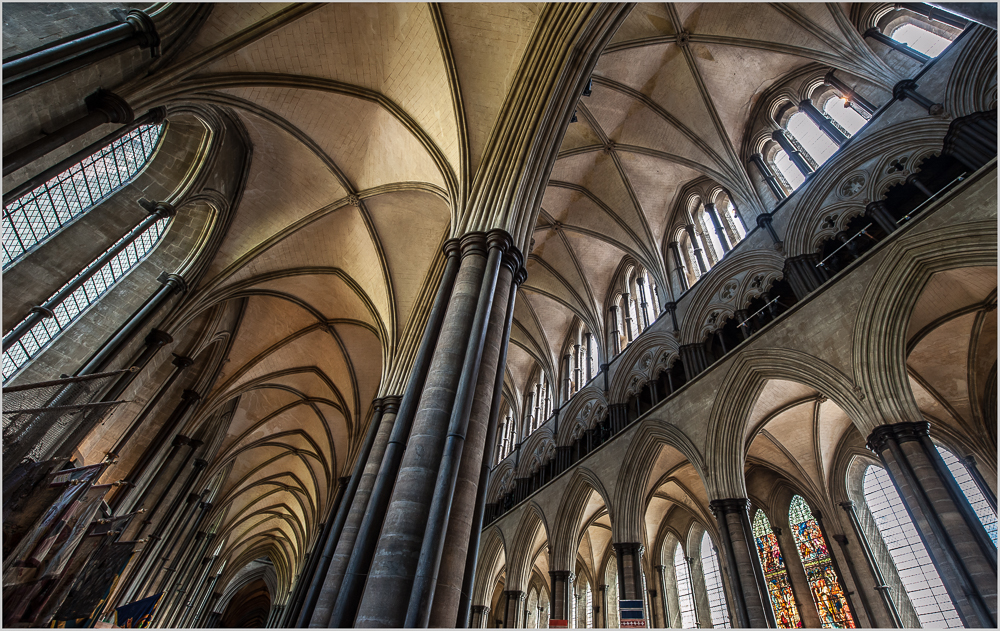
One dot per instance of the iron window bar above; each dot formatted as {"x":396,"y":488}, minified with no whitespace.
{"x":758,"y":312}
{"x":38,"y":214}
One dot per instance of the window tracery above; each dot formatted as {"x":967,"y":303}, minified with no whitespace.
{"x":778,"y":587}
{"x":46,"y":209}
{"x":824,"y":584}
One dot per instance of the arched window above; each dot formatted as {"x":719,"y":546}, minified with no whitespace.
{"x":778,"y":587}
{"x":46,"y":209}
{"x":685,"y":595}
{"x":808,"y":134}
{"x":844,"y":115}
{"x":920,"y":40}
{"x":713,"y":583}
{"x":983,"y":510}
{"x":824,"y":584}
{"x":728,"y":216}
{"x":793,"y":178}
{"x":101,"y":279}
{"x":920,"y":578}
{"x":531,"y":610}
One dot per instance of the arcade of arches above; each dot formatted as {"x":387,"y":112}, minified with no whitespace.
{"x":516,"y":315}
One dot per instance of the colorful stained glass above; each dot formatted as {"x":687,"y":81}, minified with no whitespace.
{"x":827,"y":594}
{"x":782,"y":600}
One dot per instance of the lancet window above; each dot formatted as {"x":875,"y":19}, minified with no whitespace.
{"x":920,"y":39}
{"x":775,"y":575}
{"x":812,"y":139}
{"x":713,"y":583}
{"x":45,"y":210}
{"x":824,"y":584}
{"x":917,"y":573}
{"x":965,"y":481}
{"x":685,"y":594}
{"x":611,"y":580}
{"x":69,"y":304}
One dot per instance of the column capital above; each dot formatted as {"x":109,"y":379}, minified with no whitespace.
{"x":180,"y":440}
{"x":390,"y":403}
{"x":158,"y":338}
{"x":190,"y":396}
{"x":199,"y":463}
{"x":629,"y":547}
{"x":181,"y":361}
{"x":344,"y":481}
{"x":111,"y":105}
{"x":879,"y":439}
{"x":474,"y":243}
{"x":144,"y":30}
{"x":562,"y":575}
{"x":452,"y":247}
{"x":730,"y":505}
{"x":157,"y":115}
{"x":515,"y":594}
{"x":174,"y":281}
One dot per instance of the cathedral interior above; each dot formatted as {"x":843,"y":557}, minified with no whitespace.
{"x":519,"y":315}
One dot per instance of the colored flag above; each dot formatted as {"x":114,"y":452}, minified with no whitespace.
{"x":137,"y":615}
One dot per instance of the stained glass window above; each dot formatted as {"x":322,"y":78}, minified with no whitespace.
{"x":984,"y":511}
{"x":713,"y":583}
{"x":824,"y":585}
{"x":778,"y":587}
{"x":920,"y":579}
{"x":44,"y":210}
{"x":685,"y":597}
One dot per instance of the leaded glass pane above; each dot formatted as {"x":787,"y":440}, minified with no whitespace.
{"x":713,"y":583}
{"x":89,"y":292}
{"x":834,"y":613}
{"x":845,"y":115}
{"x":778,"y":587}
{"x":789,"y":171}
{"x":816,"y":143}
{"x":920,"y":579}
{"x":976,"y":498}
{"x":43,"y":211}
{"x":685,"y":597}
{"x":920,"y":40}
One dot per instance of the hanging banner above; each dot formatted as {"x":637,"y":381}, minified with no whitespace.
{"x":27,"y":494}
{"x":630,"y":612}
{"x":97,"y":579}
{"x":137,"y":615}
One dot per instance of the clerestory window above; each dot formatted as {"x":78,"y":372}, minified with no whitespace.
{"x":792,"y":177}
{"x":844,"y":115}
{"x":100,"y":279}
{"x":685,"y":595}
{"x":47,"y":209}
{"x":920,"y":40}
{"x":808,"y":134}
{"x":980,"y":505}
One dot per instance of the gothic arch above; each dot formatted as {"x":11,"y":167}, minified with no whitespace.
{"x":879,"y":337}
{"x":642,"y":361}
{"x":566,"y":535}
{"x":521,"y":557}
{"x":492,"y":552}
{"x":744,"y":381}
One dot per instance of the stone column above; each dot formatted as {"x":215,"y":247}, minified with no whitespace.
{"x":345,"y":529}
{"x":590,"y":356}
{"x":769,"y":178}
{"x":781,"y":137}
{"x":480,"y":616}
{"x":513,"y":608}
{"x":851,"y":95}
{"x":661,"y":575}
{"x":695,"y":243}
{"x":577,"y":368}
{"x":415,"y":511}
{"x":179,"y":441}
{"x":615,"y":341}
{"x":699,"y":592}
{"x":641,"y":284}
{"x":963,"y":553}
{"x":562,"y":594}
{"x":907,"y":89}
{"x":803,"y":275}
{"x":752,"y":605}
{"x":720,"y":231}
{"x":694,"y":358}
{"x":824,"y":123}
{"x":629,"y":556}
{"x":876,"y":34}
{"x":627,"y":299}
{"x":566,"y":393}
{"x":878,"y":212}
{"x":54,"y":61}
{"x":357,"y":569}
{"x":971,"y":463}
{"x":679,"y":266}
{"x":456,"y":572}
{"x":604,"y":607}
{"x":102,"y":107}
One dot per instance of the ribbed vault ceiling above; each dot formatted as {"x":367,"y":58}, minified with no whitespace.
{"x":368,"y":124}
